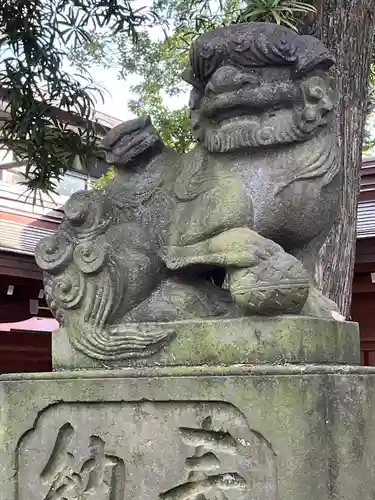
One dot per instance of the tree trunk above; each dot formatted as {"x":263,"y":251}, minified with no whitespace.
{"x":347,"y":28}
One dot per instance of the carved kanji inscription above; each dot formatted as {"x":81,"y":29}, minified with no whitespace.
{"x":145,"y":450}
{"x":202,"y":478}
{"x":100,"y":476}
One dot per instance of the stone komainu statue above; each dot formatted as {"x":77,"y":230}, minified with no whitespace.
{"x":232,"y":228}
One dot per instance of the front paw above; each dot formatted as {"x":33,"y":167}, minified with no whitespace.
{"x":279,"y":284}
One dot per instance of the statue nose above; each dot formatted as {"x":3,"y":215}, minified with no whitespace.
{"x":229,"y":78}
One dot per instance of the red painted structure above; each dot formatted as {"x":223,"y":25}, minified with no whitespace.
{"x":363,"y":299}
{"x":25,"y":320}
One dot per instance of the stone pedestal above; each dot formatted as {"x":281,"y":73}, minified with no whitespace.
{"x":248,"y":340}
{"x":240,"y":432}
{"x":220,"y":428}
{"x":180,"y":405}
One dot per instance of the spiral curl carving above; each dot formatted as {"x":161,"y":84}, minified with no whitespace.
{"x":317,"y":104}
{"x":90,"y":255}
{"x":256,"y":45}
{"x":247,"y":51}
{"x":68,"y":288}
{"x":77,"y":207}
{"x":53,"y":252}
{"x":88,"y":213}
{"x":122,"y":342}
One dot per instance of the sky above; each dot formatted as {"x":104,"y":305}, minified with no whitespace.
{"x":117,"y":92}
{"x":116,"y":95}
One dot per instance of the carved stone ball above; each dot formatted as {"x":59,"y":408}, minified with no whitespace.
{"x":279,"y":284}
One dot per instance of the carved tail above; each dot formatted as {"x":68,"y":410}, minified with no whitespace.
{"x":86,"y":266}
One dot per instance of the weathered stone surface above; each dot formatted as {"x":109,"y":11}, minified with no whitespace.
{"x":232,"y":228}
{"x":282,"y":339}
{"x":251,"y":433}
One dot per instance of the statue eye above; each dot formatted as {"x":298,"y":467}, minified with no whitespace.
{"x":316,"y":92}
{"x":252,"y":79}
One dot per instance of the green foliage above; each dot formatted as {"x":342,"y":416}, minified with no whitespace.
{"x":34,"y":35}
{"x":286,"y":12}
{"x":157,"y":62}
{"x":369,"y":139}
{"x":105,"y":179}
{"x":173,"y":125}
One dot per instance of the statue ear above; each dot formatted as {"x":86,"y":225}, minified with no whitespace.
{"x":318,"y":101}
{"x":316,"y":89}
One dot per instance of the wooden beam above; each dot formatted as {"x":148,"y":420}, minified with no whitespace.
{"x":18,"y":265}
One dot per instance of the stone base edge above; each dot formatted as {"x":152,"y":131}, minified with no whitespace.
{"x":196,"y":371}
{"x":227,"y":341}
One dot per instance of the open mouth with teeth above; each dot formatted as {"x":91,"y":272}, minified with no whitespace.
{"x":235,"y":113}
{"x":138,"y":142}
{"x":129,"y":147}
{"x":249,"y":100}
